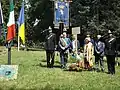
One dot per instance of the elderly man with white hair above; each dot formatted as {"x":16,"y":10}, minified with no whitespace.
{"x":99,"y":53}
{"x":64,"y":44}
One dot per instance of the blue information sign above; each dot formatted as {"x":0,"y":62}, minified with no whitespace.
{"x":8,"y":72}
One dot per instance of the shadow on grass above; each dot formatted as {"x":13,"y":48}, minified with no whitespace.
{"x":54,"y":61}
{"x":45,"y":66}
{"x":35,"y":49}
{"x":79,"y":70}
{"x":68,"y":70}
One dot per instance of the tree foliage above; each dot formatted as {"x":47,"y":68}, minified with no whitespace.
{"x":41,"y":10}
{"x":95,"y":16}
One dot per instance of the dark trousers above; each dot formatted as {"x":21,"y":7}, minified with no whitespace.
{"x":111,"y":63}
{"x":99,"y":59}
{"x":63,"y":58}
{"x":50,"y":58}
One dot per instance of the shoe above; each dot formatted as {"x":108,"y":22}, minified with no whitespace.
{"x":62,"y":66}
{"x":108,"y":73}
{"x":90,"y":69}
{"x":48,"y":67}
{"x":51,"y":66}
{"x":97,"y":70}
{"x":102,"y":70}
{"x":113,"y":73}
{"x":65,"y":67}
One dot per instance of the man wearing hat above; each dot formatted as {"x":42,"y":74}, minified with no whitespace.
{"x":50,"y":43}
{"x":110,"y":52}
{"x":99,"y":53}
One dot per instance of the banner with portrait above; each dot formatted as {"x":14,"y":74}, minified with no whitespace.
{"x":61,"y":13}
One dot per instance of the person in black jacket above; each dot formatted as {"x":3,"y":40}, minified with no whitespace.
{"x":50,"y":43}
{"x":110,"y":52}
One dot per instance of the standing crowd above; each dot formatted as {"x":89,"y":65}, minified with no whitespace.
{"x":100,"y":47}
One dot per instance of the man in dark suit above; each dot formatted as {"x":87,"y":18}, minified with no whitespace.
{"x":110,"y":52}
{"x":99,"y":53}
{"x":50,"y":43}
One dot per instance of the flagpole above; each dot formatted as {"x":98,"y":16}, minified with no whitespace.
{"x":9,"y":49}
{"x":10,"y":32}
{"x":24,"y":20}
{"x":21,"y":26}
{"x":9,"y":53}
{"x":18,"y":38}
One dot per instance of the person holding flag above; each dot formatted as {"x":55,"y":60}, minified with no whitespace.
{"x":21,"y":26}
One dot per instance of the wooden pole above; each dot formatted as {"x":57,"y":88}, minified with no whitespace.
{"x":61,"y":27}
{"x":76,"y":42}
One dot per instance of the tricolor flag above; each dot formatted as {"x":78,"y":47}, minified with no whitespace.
{"x":21,"y":24}
{"x":1,"y":18}
{"x":11,"y":23}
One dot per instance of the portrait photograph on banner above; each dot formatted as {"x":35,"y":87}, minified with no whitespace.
{"x":61,"y":13}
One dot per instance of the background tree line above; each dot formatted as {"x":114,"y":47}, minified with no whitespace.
{"x":95,"y":16}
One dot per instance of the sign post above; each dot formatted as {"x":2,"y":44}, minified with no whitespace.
{"x":75,"y":31}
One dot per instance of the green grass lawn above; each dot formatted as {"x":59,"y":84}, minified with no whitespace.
{"x":33,"y":76}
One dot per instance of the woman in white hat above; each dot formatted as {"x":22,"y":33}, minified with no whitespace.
{"x":88,"y":53}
